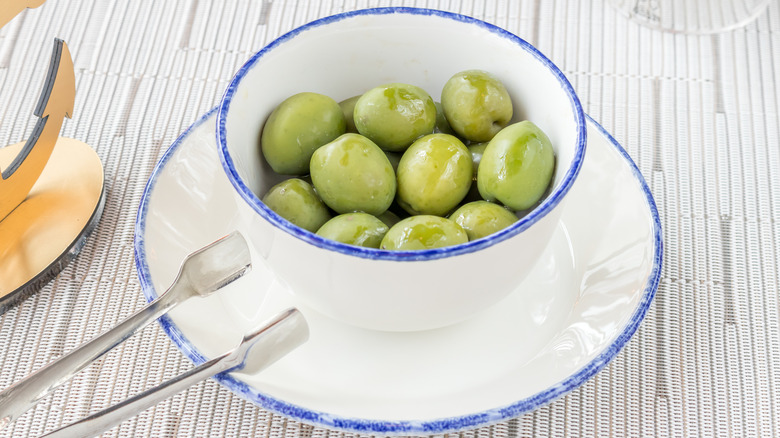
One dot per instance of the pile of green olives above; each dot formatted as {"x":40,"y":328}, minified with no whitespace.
{"x":393,"y":169}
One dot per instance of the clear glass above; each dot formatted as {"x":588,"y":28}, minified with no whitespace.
{"x":692,"y":16}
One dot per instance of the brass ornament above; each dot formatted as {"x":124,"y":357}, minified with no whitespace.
{"x":51,"y":187}
{"x":49,"y":228}
{"x":56,"y":103}
{"x":11,"y":8}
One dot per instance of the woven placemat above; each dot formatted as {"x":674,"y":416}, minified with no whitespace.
{"x":698,"y":114}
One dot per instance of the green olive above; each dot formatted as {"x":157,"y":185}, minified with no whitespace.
{"x":296,"y":128}
{"x":442,"y":125}
{"x":476,"y":104}
{"x":394,"y":158}
{"x":397,"y":210}
{"x":352,"y":174}
{"x":434,"y":175}
{"x":482,"y":218}
{"x":423,"y":232}
{"x":358,"y":229}
{"x":348,"y":108}
{"x":296,"y":201}
{"x":517,"y":166}
{"x":476,"y":150}
{"x":389,"y":218}
{"x":394,"y":115}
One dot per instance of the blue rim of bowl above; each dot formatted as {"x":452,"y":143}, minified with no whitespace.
{"x":435,"y":426}
{"x":546,"y":206}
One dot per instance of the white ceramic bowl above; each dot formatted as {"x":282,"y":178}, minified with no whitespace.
{"x":345,"y":55}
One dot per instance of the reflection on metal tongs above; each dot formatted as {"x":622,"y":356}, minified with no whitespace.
{"x":201,"y":273}
{"x":256,"y":351}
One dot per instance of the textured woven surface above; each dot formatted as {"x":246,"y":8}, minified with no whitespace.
{"x":699,"y":115}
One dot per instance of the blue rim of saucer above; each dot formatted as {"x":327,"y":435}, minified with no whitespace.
{"x":546,"y":206}
{"x":419,"y":427}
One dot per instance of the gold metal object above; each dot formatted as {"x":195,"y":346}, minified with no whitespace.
{"x":56,"y":103}
{"x":51,"y":197}
{"x":11,"y":8}
{"x":50,"y":226}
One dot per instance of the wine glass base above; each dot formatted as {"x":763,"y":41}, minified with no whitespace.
{"x":696,"y":17}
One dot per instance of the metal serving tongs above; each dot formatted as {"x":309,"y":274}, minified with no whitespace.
{"x":201,"y":273}
{"x":256,"y":351}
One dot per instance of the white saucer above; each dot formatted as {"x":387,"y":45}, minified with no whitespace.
{"x":586,"y":298}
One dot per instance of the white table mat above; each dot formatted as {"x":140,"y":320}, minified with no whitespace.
{"x":698,"y":114}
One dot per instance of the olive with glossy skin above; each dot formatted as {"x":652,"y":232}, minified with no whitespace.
{"x":296,"y":128}
{"x":482,"y":218}
{"x":434,"y":175}
{"x":397,"y":210}
{"x":476,"y":104}
{"x":394,"y":115}
{"x":358,"y":229}
{"x":389,"y":218}
{"x":348,"y":108}
{"x":394,"y":158}
{"x":296,"y":201}
{"x":442,"y":125}
{"x":476,"y":150}
{"x":423,"y":232}
{"x":517,"y":166}
{"x":352,"y":174}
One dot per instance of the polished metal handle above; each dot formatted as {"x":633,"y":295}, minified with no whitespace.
{"x":21,"y":396}
{"x":257,"y":351}
{"x":201,"y":273}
